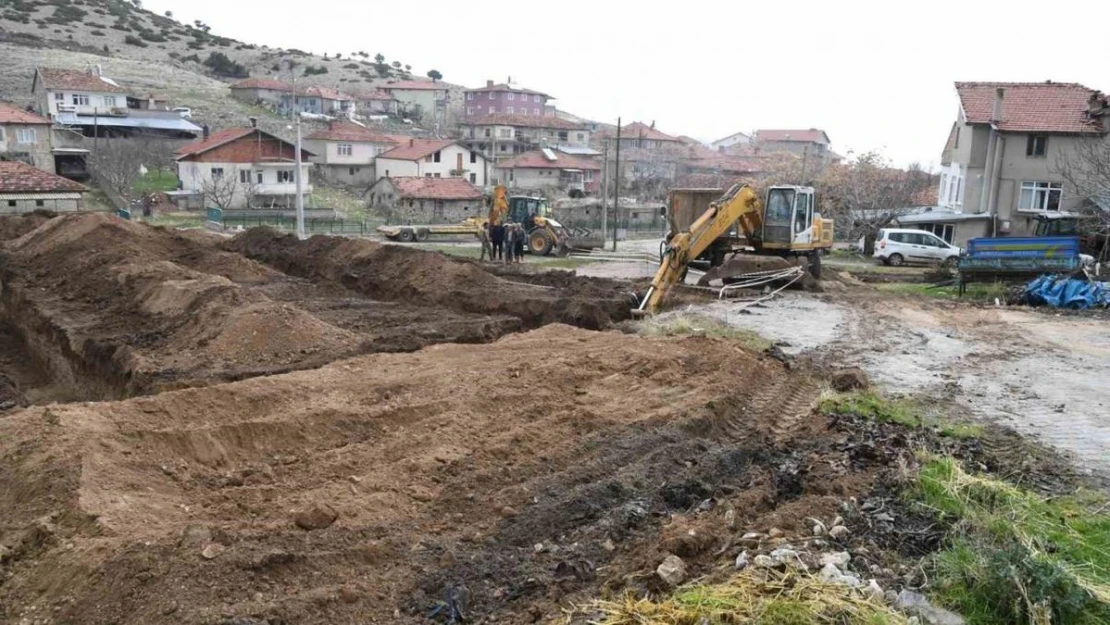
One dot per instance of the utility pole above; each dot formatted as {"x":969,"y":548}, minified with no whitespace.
{"x":617,"y":190}
{"x":605,"y":191}
{"x":297,"y":160}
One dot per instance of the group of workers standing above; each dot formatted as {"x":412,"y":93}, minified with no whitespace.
{"x":502,"y":242}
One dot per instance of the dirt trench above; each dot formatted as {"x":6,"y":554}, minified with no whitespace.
{"x":395,"y":273}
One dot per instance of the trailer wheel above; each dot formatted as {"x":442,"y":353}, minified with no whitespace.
{"x":406,"y":235}
{"x":422,"y":234}
{"x":539,"y":243}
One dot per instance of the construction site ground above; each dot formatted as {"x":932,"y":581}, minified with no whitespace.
{"x":259,"y":430}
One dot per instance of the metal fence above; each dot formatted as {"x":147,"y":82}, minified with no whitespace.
{"x":282,"y":221}
{"x":652,"y":224}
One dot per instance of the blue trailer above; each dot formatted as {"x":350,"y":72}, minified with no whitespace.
{"x":1017,"y":258}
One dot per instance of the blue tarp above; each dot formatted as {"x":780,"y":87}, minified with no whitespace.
{"x":1062,"y":292}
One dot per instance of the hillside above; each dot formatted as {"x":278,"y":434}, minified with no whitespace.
{"x":151,"y":53}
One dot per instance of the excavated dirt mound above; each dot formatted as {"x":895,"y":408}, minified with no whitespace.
{"x":370,"y":487}
{"x":108,"y":308}
{"x":15,"y":226}
{"x":393,"y":272}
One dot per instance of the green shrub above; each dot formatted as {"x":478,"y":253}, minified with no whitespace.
{"x":221,"y":65}
{"x":132,"y":40}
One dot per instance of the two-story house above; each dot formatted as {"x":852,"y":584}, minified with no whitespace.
{"x":26,"y":137}
{"x":243,"y":168}
{"x":425,"y":99}
{"x":433,"y":158}
{"x":505,"y":99}
{"x":644,"y":137}
{"x":503,"y":136}
{"x":318,"y":101}
{"x":81,"y":92}
{"x":345,"y":152}
{"x":377,"y":102}
{"x":809,"y":143}
{"x":264,"y":90}
{"x":1001,"y":157}
{"x":550,"y":169}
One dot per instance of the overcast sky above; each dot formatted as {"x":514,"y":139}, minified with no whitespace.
{"x":873,"y":75}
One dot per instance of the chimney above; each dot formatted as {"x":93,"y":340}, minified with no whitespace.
{"x":254,"y":122}
{"x":412,"y":142}
{"x":996,"y":114}
{"x":206,"y":131}
{"x":99,"y":71}
{"x":489,"y":84}
{"x":653,"y":124}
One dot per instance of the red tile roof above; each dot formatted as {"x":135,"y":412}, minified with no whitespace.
{"x":214,"y":140}
{"x":349,"y":131}
{"x":639,"y":130}
{"x":376,"y":94}
{"x":414,"y":187}
{"x":1030,"y":107}
{"x":326,"y":93}
{"x":76,"y":80}
{"x":16,"y":177}
{"x":505,"y":87}
{"x":524,"y":121}
{"x":537,"y":160}
{"x":809,"y":135}
{"x":417,"y":85}
{"x":416,"y":149}
{"x":262,"y":83}
{"x":11,"y":114}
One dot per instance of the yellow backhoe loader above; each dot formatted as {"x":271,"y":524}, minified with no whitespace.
{"x":783,"y":232}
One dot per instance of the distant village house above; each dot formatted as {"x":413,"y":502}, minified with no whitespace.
{"x":417,"y":199}
{"x":433,"y":158}
{"x":549,"y":169}
{"x":24,"y":188}
{"x":345,"y":152}
{"x":419,"y":98}
{"x":499,"y":137}
{"x":505,"y":99}
{"x":25,"y":137}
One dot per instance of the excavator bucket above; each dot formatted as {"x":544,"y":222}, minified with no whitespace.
{"x":744,"y":265}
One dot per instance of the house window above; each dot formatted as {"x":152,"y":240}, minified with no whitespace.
{"x":491,"y":95}
{"x":437,"y":209}
{"x":1040,"y":196}
{"x":956,"y":143}
{"x":505,"y":133}
{"x":1037,"y":145}
{"x":562,"y":135}
{"x":40,"y":203}
{"x":536,"y":99}
{"x":245,"y":176}
{"x":487,"y":133}
{"x":470,"y":111}
{"x":217,"y":173}
{"x":25,"y":135}
{"x":473,"y":157}
{"x":59,"y":97}
{"x":470,"y":96}
{"x":427,"y":175}
{"x":435,"y":175}
{"x":473,"y":178}
{"x":80,"y":99}
{"x":491,"y":110}
{"x":511,"y":95}
{"x":428,"y":158}
{"x":258,"y":177}
{"x":285,"y":176}
{"x":437,"y":156}
{"x":110,"y":101}
{"x":345,"y":149}
{"x":352,"y":171}
{"x":509,"y":110}
{"x":581,"y":136}
{"x":535,"y":111}
{"x":523,"y":111}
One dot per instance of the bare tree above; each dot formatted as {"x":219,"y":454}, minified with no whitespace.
{"x":1086,"y":171}
{"x":117,"y":164}
{"x":219,"y":190}
{"x":868,"y":194}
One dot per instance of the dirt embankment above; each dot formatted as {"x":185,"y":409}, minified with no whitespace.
{"x":105,"y":308}
{"x":393,"y":272}
{"x":524,"y":481}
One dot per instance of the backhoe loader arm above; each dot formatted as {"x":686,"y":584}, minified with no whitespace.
{"x":740,"y":203}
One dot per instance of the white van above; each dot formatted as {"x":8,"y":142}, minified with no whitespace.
{"x":895,"y":246}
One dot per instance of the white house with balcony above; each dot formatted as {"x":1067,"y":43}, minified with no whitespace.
{"x":433,"y":158}
{"x":243,"y":168}
{"x":83,"y":92}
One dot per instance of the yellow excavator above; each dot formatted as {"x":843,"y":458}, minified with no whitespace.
{"x":785,"y":231}
{"x":544,"y":234}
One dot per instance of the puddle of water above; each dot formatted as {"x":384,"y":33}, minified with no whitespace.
{"x":805,"y":323}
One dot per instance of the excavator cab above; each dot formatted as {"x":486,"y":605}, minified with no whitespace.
{"x":525,"y":209}
{"x":788,"y":219}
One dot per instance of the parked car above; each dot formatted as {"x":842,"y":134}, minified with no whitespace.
{"x":184,"y":112}
{"x":895,"y":246}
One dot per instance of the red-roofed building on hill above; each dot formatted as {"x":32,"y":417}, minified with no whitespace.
{"x":423,"y":99}
{"x":26,"y":137}
{"x":243,"y":168}
{"x":645,"y":137}
{"x":505,"y":99}
{"x":260,"y":90}
{"x":377,"y":102}
{"x":345,"y":152}
{"x":76,"y":91}
{"x":550,"y":169}
{"x":500,"y":137}
{"x":1001,"y":156}
{"x":318,"y":101}
{"x":24,"y":188}
{"x":809,"y":143}
{"x":433,"y":158}
{"x":424,"y":200}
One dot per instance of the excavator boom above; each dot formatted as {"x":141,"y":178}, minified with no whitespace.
{"x":740,"y":203}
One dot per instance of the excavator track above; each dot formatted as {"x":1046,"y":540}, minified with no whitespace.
{"x":776,"y":408}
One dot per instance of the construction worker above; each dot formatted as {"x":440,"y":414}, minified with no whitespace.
{"x":497,"y":239}
{"x":518,"y":251}
{"x":510,"y":243}
{"x":484,"y":239}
